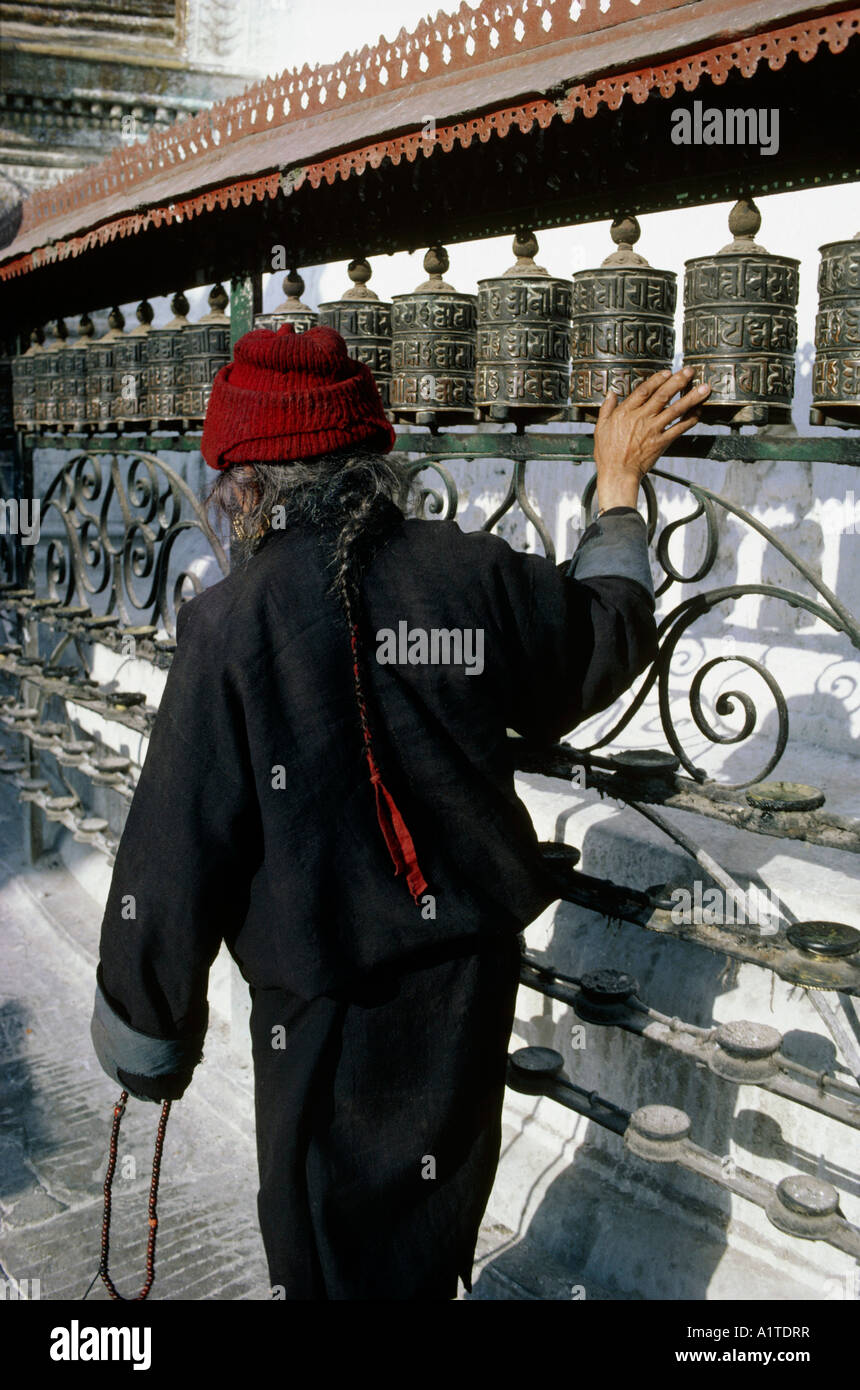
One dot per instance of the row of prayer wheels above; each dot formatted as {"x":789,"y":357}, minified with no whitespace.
{"x":528,"y":347}
{"x":146,"y":378}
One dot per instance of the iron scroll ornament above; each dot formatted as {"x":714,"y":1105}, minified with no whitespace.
{"x":675,"y":624}
{"x":443,"y":502}
{"x":114,"y":556}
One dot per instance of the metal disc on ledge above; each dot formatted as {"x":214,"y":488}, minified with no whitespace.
{"x":824,"y":938}
{"x":653,"y":760}
{"x":740,"y":326}
{"x":537,"y":1062}
{"x":785,"y":796}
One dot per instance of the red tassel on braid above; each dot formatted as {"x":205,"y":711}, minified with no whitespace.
{"x":391,"y":822}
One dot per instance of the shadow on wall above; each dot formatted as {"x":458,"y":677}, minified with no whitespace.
{"x":604,"y":1217}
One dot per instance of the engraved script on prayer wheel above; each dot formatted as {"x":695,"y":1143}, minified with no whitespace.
{"x":101,"y":392}
{"x":740,"y":326}
{"x":205,"y":350}
{"x":363,"y":320}
{"x":293,"y":311}
{"x":7,"y":422}
{"x":623,"y":323}
{"x":72,"y":381}
{"x":23,"y":371}
{"x":523,"y":341}
{"x":165,"y":368}
{"x":46,"y":380}
{"x":836,"y":373}
{"x":130,"y":370}
{"x":433,"y":349}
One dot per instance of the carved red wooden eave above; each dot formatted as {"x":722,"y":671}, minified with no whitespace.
{"x":511,"y":62}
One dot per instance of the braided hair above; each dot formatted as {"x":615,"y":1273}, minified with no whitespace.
{"x":358,"y":495}
{"x":357,"y":499}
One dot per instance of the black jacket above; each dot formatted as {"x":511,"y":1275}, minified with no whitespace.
{"x":254,"y":820}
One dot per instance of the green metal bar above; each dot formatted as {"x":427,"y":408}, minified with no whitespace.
{"x":246,"y":300}
{"x":577,"y":448}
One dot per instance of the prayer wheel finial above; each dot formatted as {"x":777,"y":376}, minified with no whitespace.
{"x":179,"y":304}
{"x":436,"y":261}
{"x":292,"y":310}
{"x":359,"y":272}
{"x":218,"y":300}
{"x":625,"y":232}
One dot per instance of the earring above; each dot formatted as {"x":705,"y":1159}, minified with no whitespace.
{"x":238,"y":528}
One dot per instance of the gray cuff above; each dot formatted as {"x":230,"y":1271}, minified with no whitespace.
{"x":119,"y":1046}
{"x":614,"y":545}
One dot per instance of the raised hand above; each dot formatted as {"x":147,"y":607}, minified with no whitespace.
{"x":630,"y":436}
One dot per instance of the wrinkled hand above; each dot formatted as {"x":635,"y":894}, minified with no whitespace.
{"x":630,"y":437}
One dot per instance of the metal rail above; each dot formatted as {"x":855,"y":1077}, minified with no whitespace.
{"x":747,"y":1054}
{"x":800,"y":1205}
{"x":530,"y":445}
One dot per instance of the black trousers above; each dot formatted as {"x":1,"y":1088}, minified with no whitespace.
{"x":378,"y":1117}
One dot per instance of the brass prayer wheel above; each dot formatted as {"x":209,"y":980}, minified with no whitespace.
{"x":23,"y":373}
{"x":433,"y":349}
{"x":623,"y":323}
{"x":363,"y":320}
{"x":130,"y":362}
{"x":46,"y":379}
{"x":72,"y":379}
{"x":165,"y":368}
{"x":836,"y":372}
{"x":740,"y":326}
{"x":205,"y":350}
{"x":293,"y":311}
{"x":101,"y":391}
{"x":523,"y":340}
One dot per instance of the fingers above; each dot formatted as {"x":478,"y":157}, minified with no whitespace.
{"x":682,"y":426}
{"x":647,"y":388}
{"x":689,"y":401}
{"x":610,"y":401}
{"x":677,"y":381}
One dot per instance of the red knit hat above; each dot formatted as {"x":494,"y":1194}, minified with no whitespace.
{"x":289,"y":395}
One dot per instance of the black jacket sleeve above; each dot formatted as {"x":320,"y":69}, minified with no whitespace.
{"x":587,"y":629}
{"x":183,"y":867}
